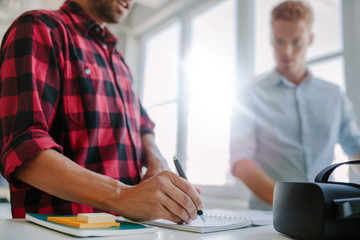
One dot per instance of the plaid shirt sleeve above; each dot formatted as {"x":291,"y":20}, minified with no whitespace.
{"x":147,"y":126}
{"x":29,"y":91}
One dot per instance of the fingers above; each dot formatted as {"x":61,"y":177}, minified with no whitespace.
{"x":184,"y":202}
{"x":177,"y":211}
{"x":185,"y":195}
{"x":172,"y":217}
{"x":165,"y":196}
{"x":173,"y":198}
{"x":189,"y":190}
{"x":165,"y":210}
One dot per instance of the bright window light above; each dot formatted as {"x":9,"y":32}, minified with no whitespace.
{"x":161,"y":77}
{"x":211,"y":71}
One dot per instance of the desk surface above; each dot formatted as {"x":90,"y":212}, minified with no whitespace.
{"x":17,"y":229}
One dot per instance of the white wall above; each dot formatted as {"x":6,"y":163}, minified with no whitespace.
{"x":11,"y":9}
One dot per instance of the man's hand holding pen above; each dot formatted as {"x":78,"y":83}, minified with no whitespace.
{"x":164,"y":196}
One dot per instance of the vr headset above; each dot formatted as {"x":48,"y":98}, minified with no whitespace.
{"x":319,"y":210}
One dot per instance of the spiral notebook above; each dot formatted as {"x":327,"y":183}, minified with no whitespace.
{"x":258,"y":217}
{"x":214,"y":223}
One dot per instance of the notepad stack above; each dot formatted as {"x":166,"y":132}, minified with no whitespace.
{"x":88,"y":220}
{"x":93,"y":224}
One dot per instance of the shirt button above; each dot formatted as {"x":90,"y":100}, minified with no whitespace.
{"x":105,"y":46}
{"x":87,"y":71}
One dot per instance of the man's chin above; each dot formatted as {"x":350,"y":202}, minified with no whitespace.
{"x":119,"y":18}
{"x":115,"y":20}
{"x":286,"y":67}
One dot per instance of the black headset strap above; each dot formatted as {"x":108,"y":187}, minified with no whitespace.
{"x":348,"y":207}
{"x":323,"y":176}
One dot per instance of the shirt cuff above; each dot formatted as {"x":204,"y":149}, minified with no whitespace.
{"x":238,"y":153}
{"x":146,"y":131}
{"x":22,"y":149}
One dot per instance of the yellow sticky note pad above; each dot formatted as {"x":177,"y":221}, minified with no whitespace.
{"x":95,"y":217}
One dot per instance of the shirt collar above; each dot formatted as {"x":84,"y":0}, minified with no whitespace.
{"x":86,"y":23}
{"x":277,"y":79}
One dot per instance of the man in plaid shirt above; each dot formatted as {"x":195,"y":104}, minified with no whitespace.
{"x":74,"y":136}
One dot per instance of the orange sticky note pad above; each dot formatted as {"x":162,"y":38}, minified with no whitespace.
{"x":73,"y":222}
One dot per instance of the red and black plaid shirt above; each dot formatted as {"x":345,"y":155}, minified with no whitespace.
{"x":65,"y":87}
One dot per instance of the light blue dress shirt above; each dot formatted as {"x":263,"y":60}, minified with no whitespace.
{"x":291,"y":131}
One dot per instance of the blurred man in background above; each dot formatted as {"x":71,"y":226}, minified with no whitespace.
{"x":285,"y":126}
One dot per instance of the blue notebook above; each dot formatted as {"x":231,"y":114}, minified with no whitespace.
{"x":125,"y":228}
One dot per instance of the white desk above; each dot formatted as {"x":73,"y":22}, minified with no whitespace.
{"x":19,"y":229}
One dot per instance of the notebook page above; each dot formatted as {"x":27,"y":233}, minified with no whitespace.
{"x":212,"y":224}
{"x":198,"y":223}
{"x":258,"y":217}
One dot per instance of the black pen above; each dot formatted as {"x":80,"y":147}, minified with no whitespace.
{"x":182,"y":174}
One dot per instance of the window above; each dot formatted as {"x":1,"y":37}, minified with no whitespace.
{"x":211,"y":77}
{"x":208,"y":75}
{"x":188,"y":84}
{"x":161,"y":78}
